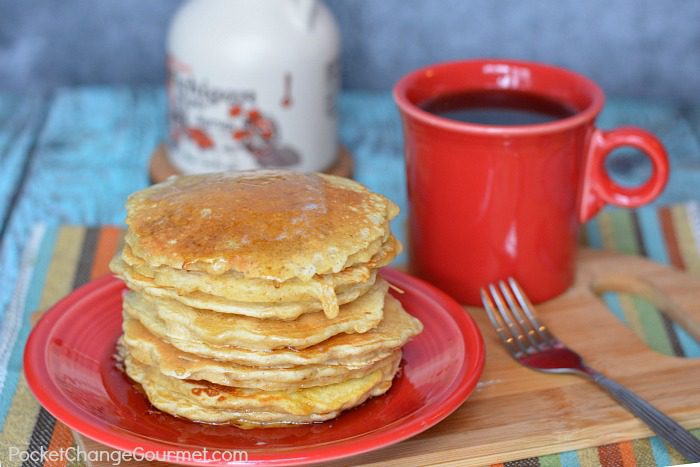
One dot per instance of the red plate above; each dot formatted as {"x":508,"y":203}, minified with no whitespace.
{"x":69,"y":367}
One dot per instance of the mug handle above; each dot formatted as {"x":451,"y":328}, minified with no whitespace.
{"x":599,"y":189}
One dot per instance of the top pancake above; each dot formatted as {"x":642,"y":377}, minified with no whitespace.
{"x":273,"y":225}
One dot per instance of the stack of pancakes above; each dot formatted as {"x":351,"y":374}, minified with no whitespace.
{"x":254,"y":297}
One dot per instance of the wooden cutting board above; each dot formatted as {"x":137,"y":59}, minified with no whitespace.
{"x":517,"y":413}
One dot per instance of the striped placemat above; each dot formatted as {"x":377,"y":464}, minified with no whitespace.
{"x":61,"y":258}
{"x":55,"y":261}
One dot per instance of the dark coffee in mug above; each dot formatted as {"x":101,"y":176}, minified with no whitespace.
{"x":502,"y":107}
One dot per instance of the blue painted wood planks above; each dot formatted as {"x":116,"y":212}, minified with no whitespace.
{"x":90,"y":152}
{"x":20,"y":120}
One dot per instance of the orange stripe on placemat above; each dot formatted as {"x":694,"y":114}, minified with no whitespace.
{"x":107,"y":245}
{"x":609,"y":454}
{"x":627,"y":454}
{"x":61,"y":439}
{"x":674,"y":253}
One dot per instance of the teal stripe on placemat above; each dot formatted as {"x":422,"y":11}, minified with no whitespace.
{"x":661,"y":455}
{"x":36,"y":286}
{"x":690,"y":346}
{"x":613,"y":303}
{"x":569,"y":459}
{"x":593,"y":236}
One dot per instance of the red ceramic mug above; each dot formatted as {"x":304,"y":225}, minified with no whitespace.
{"x":488,"y":202}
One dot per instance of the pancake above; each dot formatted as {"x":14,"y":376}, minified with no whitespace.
{"x":330,"y":300}
{"x":254,"y":297}
{"x":149,"y":350}
{"x":233,"y":286}
{"x":273,"y":225}
{"x":207,"y":402}
{"x":173,"y":321}
{"x":259,"y":298}
{"x":350,"y":350}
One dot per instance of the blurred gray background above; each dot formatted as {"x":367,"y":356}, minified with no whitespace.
{"x":639,"y":48}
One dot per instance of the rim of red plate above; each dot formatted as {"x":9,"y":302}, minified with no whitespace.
{"x":53,"y":400}
{"x":407,"y":106}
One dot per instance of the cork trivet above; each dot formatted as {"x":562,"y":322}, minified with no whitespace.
{"x":161,"y":168}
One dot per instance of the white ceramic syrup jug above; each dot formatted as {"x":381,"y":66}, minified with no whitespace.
{"x":252,"y":84}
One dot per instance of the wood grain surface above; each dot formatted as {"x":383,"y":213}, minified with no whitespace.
{"x":516,"y":412}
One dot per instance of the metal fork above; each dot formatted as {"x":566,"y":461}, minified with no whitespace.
{"x":531,"y":344}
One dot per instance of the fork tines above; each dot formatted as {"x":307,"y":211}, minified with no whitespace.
{"x":513,"y":317}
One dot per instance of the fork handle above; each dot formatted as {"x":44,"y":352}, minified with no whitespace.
{"x":677,"y":436}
